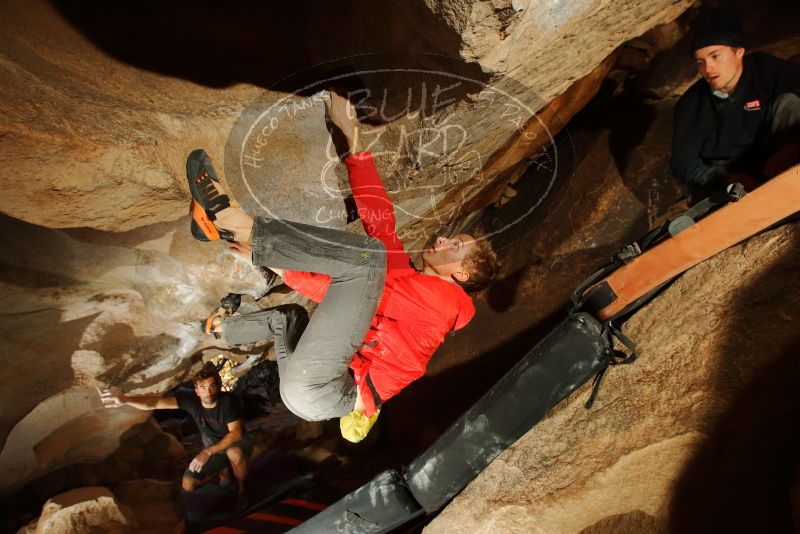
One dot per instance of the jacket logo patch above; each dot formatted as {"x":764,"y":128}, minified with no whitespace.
{"x":753,"y":105}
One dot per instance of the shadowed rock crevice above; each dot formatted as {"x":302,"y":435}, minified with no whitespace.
{"x":263,"y":44}
{"x":636,"y":522}
{"x":741,"y":476}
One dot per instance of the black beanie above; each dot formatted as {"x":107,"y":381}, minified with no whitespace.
{"x":717,"y":26}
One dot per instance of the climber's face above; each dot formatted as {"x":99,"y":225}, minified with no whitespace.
{"x":447,"y":255}
{"x":721,"y":66}
{"x":208,"y":391}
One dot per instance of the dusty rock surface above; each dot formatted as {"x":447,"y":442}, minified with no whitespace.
{"x":99,"y":141}
{"x":93,"y":141}
{"x":83,"y":511}
{"x":89,"y":309}
{"x":698,"y":435}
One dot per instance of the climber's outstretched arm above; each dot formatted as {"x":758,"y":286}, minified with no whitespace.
{"x":113,"y":397}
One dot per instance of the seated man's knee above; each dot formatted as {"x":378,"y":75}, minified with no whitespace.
{"x":786,"y":112}
{"x":190,"y":484}
{"x":236,"y":455}
{"x":787,"y":101}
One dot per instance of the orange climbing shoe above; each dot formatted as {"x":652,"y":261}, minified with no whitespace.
{"x":207,"y":199}
{"x":203,"y":228}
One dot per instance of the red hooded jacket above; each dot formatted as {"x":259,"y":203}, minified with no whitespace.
{"x":416,"y":310}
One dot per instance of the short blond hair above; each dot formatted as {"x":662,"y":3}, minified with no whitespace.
{"x":481,"y":264}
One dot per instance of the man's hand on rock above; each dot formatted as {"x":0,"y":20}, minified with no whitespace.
{"x":199,"y":461}
{"x":342,"y":114}
{"x":112,"y":397}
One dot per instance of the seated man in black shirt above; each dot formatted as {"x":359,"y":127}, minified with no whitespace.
{"x":741,"y":121}
{"x":218,"y":417}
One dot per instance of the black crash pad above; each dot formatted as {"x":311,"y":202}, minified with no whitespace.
{"x":553,"y":369}
{"x":380,"y":505}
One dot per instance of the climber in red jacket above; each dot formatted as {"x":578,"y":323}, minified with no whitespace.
{"x":378,"y":315}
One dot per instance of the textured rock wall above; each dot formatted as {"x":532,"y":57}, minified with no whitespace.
{"x":144,"y":505}
{"x":83,"y":510}
{"x":700,"y":434}
{"x":91,"y":141}
{"x":87,"y":309}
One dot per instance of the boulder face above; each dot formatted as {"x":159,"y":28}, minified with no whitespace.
{"x":88,"y":309}
{"x":84,"y":511}
{"x":98,"y":129}
{"x":101,"y":142}
{"x":699,"y":434}
{"x":101,"y":282}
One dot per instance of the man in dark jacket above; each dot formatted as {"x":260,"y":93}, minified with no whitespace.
{"x":740,"y":122}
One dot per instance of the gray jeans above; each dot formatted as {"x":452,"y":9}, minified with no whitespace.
{"x":314,"y":380}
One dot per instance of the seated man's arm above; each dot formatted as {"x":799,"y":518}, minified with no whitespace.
{"x":234,"y":434}
{"x":685,"y":163}
{"x":113,"y":397}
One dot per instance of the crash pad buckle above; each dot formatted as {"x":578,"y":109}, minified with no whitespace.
{"x":626,"y":254}
{"x":613,"y":357}
{"x":735,"y":192}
